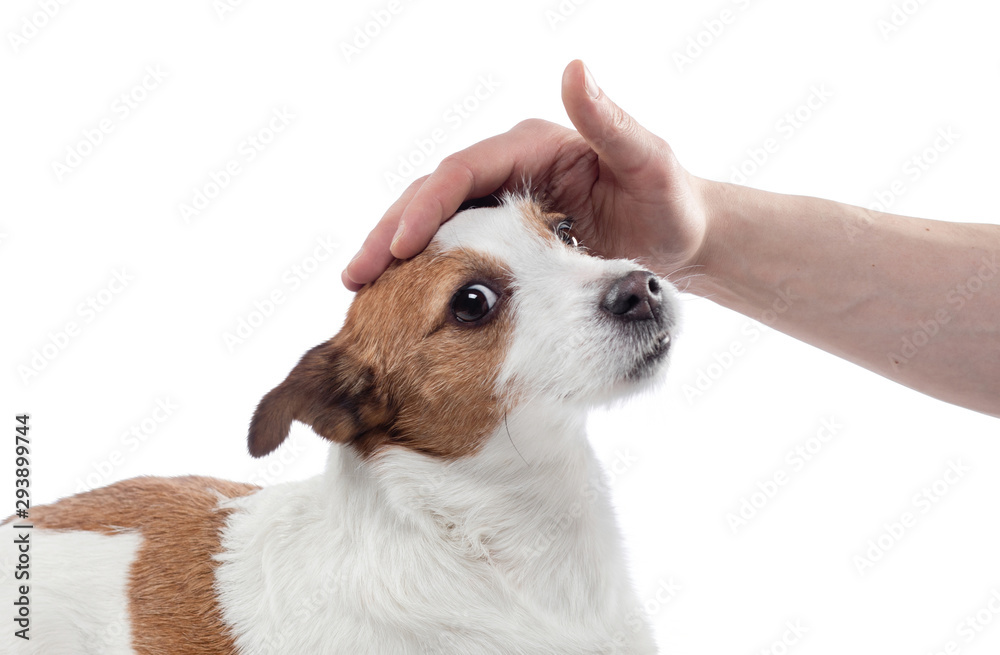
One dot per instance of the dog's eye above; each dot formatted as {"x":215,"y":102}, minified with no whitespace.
{"x":471,"y":303}
{"x":563,"y":230}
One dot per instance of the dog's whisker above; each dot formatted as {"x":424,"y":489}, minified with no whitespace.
{"x":682,"y":268}
{"x":507,"y":427}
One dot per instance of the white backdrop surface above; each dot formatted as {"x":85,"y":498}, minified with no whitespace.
{"x":167,"y":168}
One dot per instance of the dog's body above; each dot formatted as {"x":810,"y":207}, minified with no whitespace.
{"x":463,"y":510}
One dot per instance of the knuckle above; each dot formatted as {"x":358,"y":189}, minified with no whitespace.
{"x":417,"y":183}
{"x":455,"y":163}
{"x":622,"y":123}
{"x":531,"y":125}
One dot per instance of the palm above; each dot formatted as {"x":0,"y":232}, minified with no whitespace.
{"x":615,"y":216}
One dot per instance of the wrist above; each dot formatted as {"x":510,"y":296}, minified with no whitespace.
{"x":716,"y":203}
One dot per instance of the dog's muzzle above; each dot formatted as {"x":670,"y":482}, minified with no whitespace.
{"x":637,"y":302}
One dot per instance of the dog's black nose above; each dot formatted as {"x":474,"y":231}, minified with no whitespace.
{"x":635,"y":297}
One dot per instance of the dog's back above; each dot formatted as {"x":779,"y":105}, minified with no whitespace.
{"x":126,"y":568}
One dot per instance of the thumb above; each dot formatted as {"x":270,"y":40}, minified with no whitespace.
{"x":616,"y":137}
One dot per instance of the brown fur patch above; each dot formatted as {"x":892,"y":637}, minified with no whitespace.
{"x":172,"y":601}
{"x":402,"y":371}
{"x":543,"y":222}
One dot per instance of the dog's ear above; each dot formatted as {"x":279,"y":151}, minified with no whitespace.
{"x":327,"y":391}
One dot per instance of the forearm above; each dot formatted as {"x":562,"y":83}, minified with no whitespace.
{"x":915,"y":300}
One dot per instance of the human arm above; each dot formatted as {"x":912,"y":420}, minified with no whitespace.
{"x":914,"y":300}
{"x":853,"y":282}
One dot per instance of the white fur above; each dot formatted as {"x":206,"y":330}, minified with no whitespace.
{"x":411,"y":554}
{"x":562,"y":349}
{"x":512,"y":550}
{"x":77,"y":591}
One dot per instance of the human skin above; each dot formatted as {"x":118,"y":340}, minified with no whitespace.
{"x":912,"y":299}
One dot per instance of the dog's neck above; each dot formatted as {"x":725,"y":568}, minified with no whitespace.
{"x":532,"y":502}
{"x":515,"y":544}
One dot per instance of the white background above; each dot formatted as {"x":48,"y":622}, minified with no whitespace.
{"x":684,"y":463}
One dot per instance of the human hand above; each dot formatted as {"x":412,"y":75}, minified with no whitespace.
{"x":627,"y":193}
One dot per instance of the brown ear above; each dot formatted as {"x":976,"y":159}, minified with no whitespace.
{"x":328,"y":392}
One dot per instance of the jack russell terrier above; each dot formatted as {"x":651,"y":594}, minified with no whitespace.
{"x":462,"y":509}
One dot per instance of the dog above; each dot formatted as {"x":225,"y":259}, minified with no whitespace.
{"x":462,"y":509}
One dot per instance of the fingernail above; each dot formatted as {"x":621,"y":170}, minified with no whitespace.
{"x":588,"y":82}
{"x":346,"y":279}
{"x":399,"y":234}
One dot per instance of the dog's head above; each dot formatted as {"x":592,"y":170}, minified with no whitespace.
{"x":503,"y":309}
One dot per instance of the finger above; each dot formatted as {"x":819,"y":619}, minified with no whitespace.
{"x":374,"y":256}
{"x":349,"y":283}
{"x":477,"y":171}
{"x":623,"y":144}
{"x":372,"y":259}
